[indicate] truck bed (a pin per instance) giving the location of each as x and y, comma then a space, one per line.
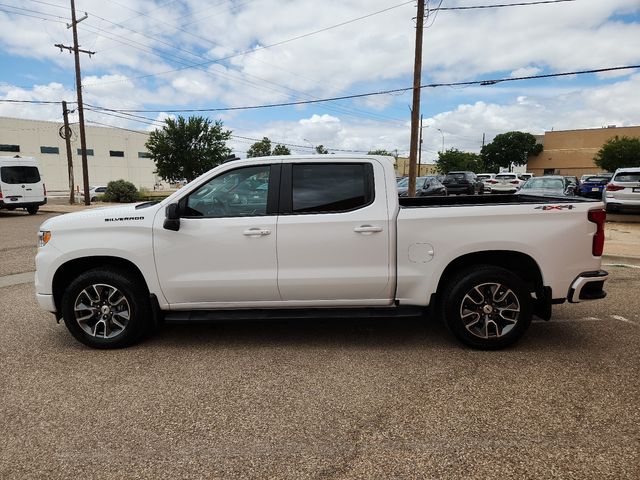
489, 199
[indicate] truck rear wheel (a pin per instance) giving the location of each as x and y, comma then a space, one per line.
487, 307
32, 210
105, 308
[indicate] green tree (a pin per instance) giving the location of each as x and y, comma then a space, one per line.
320, 150
281, 150
617, 153
508, 148
120, 191
187, 148
381, 152
260, 149
453, 160
263, 149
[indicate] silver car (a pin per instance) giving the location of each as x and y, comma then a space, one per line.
623, 191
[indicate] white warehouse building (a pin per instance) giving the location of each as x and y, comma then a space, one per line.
112, 153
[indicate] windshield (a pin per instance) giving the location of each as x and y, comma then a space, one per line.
20, 174
455, 176
403, 182
600, 179
627, 177
484, 177
508, 176
544, 184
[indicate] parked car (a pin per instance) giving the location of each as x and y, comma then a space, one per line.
463, 183
506, 183
425, 187
21, 184
329, 239
553, 185
94, 192
593, 186
623, 192
574, 180
487, 181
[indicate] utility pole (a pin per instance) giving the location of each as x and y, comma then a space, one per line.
76, 51
483, 139
420, 149
415, 109
67, 141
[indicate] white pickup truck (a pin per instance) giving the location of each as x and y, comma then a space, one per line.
318, 236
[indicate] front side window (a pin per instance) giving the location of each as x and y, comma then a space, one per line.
331, 187
238, 193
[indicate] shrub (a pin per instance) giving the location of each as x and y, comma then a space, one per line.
120, 191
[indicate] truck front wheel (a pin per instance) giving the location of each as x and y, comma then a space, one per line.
487, 307
106, 308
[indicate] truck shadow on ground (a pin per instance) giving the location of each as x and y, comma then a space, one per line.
396, 333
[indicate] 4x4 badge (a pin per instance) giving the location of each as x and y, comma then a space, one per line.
555, 207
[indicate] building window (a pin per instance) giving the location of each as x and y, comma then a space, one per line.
49, 150
144, 155
116, 153
89, 152
9, 148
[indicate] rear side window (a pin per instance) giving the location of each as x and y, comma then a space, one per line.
331, 187
627, 177
19, 174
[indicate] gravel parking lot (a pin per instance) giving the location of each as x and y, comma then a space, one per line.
319, 399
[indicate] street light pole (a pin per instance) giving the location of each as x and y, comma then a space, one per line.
442, 133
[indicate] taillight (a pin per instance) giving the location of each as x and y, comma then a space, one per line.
492, 181
598, 217
515, 182
0, 194
614, 188
44, 189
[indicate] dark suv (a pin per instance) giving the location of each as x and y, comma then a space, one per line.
463, 183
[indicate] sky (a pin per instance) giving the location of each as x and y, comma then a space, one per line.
164, 56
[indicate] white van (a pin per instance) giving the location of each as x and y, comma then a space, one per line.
21, 185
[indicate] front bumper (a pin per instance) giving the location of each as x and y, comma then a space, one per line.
588, 286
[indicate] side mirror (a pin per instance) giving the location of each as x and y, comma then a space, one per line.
172, 217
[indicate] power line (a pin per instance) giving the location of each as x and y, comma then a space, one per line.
502, 5
256, 49
382, 92
34, 102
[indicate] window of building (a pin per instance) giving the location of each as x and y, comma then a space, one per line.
89, 152
144, 155
331, 188
116, 153
9, 148
49, 150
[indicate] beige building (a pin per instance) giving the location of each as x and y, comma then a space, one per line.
571, 152
111, 153
402, 168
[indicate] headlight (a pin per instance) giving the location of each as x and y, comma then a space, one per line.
43, 237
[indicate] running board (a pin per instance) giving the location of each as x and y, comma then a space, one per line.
290, 313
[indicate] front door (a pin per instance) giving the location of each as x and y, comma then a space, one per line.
224, 253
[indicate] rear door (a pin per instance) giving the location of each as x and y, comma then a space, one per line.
21, 184
334, 234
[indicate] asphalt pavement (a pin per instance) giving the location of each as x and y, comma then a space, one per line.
384, 398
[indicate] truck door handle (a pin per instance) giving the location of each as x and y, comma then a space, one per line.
256, 232
367, 229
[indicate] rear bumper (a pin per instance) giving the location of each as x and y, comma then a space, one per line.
621, 202
19, 204
588, 286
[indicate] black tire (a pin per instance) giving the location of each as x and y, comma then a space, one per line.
11, 209
127, 285
489, 332
32, 210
